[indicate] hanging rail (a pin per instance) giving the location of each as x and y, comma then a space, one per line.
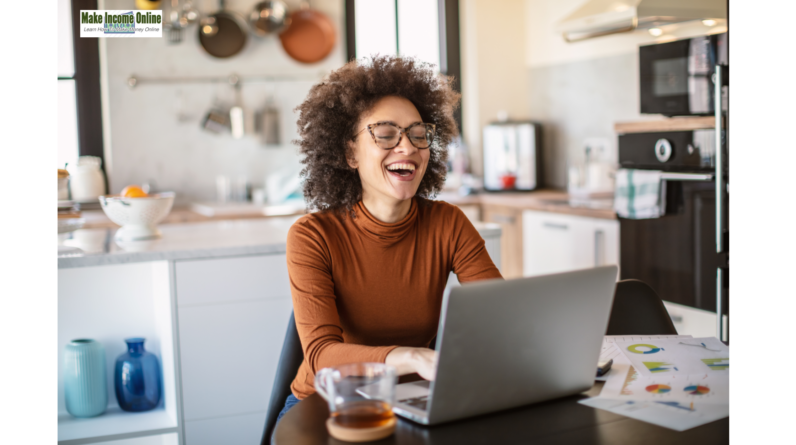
233, 79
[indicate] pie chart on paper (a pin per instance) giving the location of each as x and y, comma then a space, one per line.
696, 390
658, 389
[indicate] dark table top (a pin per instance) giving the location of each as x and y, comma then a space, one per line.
561, 421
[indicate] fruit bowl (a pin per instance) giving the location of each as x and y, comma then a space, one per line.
137, 216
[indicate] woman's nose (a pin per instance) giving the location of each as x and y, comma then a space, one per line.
405, 146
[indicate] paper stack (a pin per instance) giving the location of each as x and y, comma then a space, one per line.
677, 382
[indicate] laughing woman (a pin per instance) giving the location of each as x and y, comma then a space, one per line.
368, 270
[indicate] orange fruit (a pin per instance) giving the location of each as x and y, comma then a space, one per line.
133, 191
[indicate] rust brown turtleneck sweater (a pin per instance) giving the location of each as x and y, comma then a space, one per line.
362, 287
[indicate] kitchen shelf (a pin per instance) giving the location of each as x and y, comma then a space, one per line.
115, 422
668, 124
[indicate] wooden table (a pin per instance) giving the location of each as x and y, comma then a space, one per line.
561, 421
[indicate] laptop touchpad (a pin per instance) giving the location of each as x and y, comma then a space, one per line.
412, 390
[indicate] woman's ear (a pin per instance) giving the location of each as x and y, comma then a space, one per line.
349, 156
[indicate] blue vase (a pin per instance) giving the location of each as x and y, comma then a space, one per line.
137, 378
85, 381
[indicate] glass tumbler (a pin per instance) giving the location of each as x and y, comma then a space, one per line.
360, 397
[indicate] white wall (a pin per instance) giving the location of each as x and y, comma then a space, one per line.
493, 67
155, 130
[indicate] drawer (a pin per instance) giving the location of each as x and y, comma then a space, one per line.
232, 279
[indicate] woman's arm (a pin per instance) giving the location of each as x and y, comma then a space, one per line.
471, 261
314, 303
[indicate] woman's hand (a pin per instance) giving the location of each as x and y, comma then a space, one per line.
408, 360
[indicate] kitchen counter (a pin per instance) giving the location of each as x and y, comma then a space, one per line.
555, 201
208, 239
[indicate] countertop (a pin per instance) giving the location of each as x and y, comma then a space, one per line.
181, 241
555, 201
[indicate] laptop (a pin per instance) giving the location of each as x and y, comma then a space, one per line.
504, 344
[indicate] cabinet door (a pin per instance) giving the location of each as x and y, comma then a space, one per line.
554, 243
510, 220
232, 315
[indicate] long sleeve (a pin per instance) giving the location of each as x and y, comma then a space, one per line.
314, 304
471, 261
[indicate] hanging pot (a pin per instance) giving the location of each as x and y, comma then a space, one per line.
310, 37
222, 34
269, 17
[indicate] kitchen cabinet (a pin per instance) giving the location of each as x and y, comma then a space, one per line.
232, 317
553, 242
510, 220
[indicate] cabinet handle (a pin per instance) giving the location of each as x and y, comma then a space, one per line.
503, 219
558, 226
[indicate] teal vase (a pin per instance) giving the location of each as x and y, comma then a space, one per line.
85, 382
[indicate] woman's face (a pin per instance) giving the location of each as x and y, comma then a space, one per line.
389, 175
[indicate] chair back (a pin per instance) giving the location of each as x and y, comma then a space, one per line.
637, 310
289, 361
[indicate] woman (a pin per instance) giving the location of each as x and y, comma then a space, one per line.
367, 272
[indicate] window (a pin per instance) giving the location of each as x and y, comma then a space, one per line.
426, 29
79, 103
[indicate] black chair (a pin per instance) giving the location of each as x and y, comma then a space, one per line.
289, 361
638, 310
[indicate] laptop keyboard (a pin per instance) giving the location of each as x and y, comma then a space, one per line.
417, 402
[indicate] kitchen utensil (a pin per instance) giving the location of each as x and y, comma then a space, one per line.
268, 126
216, 120
360, 397
190, 14
86, 180
137, 216
310, 36
147, 4
223, 188
222, 34
236, 113
269, 17
175, 24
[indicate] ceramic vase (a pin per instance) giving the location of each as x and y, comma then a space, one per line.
137, 377
85, 381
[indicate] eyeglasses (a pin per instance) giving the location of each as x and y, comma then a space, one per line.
387, 135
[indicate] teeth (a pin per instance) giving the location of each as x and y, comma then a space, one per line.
409, 167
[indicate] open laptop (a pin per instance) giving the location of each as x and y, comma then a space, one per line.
504, 344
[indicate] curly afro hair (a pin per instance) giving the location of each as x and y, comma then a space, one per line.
329, 116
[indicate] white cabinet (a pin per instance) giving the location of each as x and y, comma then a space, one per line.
232, 317
554, 242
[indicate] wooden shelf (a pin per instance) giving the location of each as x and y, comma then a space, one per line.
668, 124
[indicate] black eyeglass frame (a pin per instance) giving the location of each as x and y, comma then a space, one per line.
401, 132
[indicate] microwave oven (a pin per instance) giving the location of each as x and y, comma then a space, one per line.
676, 78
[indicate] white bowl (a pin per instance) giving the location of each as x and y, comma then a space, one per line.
137, 216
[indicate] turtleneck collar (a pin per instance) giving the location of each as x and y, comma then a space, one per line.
385, 233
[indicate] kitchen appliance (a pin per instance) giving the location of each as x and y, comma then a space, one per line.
677, 78
684, 255
595, 18
512, 156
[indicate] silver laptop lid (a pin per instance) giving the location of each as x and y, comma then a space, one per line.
504, 344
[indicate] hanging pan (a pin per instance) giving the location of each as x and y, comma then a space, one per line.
310, 37
222, 34
269, 17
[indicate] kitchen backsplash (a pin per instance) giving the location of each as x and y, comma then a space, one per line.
155, 128
581, 100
